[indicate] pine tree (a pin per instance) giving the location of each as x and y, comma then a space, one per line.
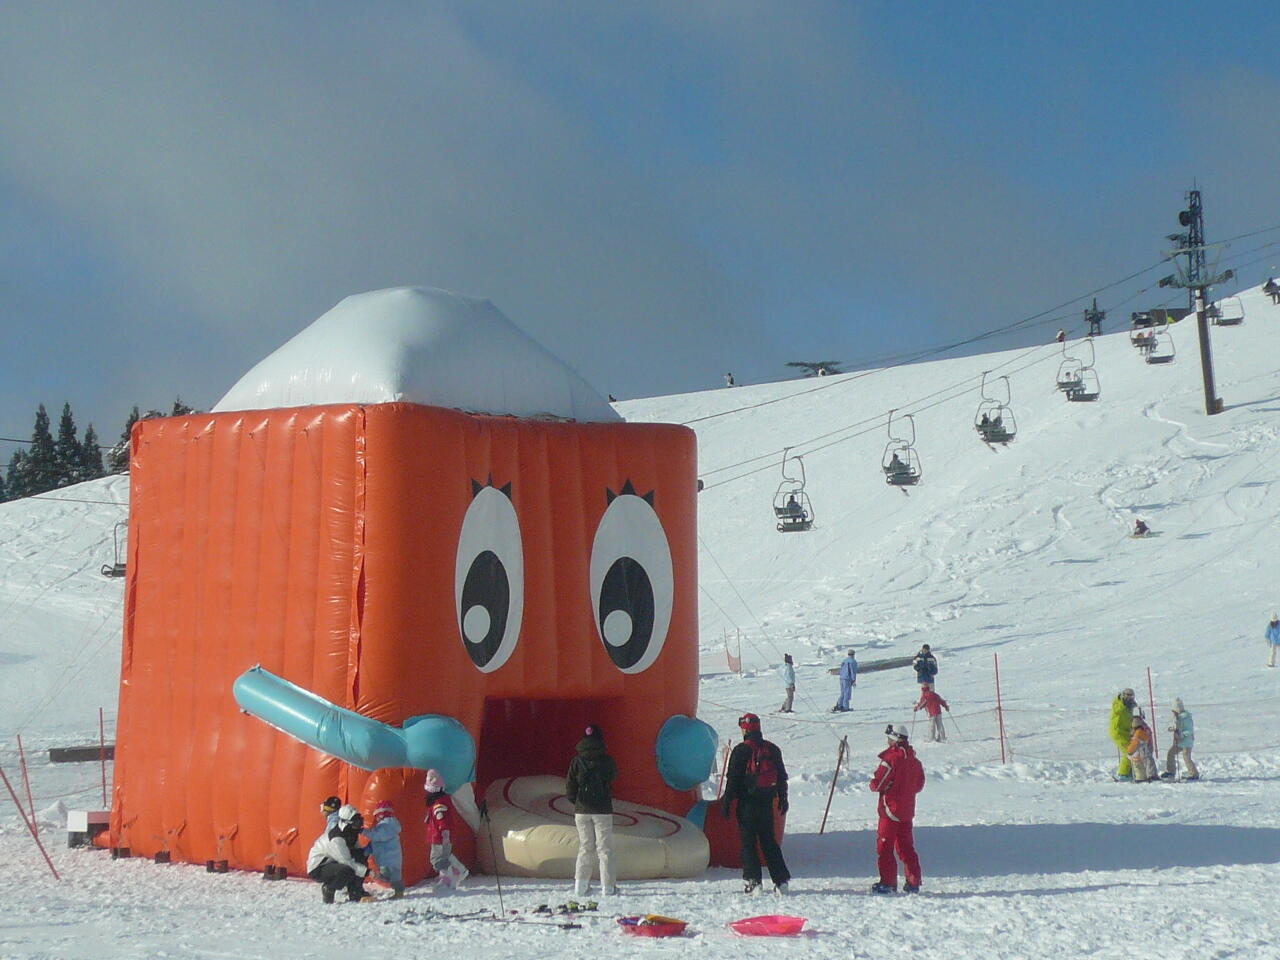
42, 459
90, 456
118, 458
67, 455
4, 493
180, 409
16, 477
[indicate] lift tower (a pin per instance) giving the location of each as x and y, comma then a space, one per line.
1190, 261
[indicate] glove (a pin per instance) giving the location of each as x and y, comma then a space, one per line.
783, 806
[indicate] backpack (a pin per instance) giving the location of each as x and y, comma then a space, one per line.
592, 790
762, 765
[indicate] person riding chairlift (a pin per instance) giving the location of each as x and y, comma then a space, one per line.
793, 506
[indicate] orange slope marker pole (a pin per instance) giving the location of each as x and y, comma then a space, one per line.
840, 755
34, 836
26, 783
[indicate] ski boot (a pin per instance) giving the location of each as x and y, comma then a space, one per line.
911, 888
751, 887
883, 888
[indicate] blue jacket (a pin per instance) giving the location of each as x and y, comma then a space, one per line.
849, 670
788, 675
1184, 729
925, 666
384, 843
1273, 632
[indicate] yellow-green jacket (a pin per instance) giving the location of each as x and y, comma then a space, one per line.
1121, 722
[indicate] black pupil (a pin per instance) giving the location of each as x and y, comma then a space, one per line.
486, 586
627, 588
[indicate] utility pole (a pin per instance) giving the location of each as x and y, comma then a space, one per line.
1197, 277
1094, 317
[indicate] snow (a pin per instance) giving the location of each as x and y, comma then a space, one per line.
1019, 551
421, 345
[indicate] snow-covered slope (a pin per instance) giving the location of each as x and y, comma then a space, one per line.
1020, 551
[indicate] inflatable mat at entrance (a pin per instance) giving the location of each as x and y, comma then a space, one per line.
535, 835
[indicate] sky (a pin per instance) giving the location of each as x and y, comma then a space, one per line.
657, 192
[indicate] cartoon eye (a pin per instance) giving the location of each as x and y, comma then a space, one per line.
632, 585
489, 578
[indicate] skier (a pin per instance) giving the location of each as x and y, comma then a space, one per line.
1184, 738
897, 780
933, 705
1139, 750
588, 786
440, 834
926, 667
788, 681
728, 379
1272, 289
337, 860
330, 810
1273, 638
1140, 529
848, 673
384, 845
1122, 729
757, 778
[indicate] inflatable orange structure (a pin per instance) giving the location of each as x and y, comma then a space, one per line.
333, 598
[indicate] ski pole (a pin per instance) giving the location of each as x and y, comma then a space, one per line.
912, 734
497, 872
954, 724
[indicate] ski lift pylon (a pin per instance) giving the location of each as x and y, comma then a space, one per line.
791, 505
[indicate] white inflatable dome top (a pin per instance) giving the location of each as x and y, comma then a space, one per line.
420, 345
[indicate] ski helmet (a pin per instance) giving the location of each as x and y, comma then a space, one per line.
330, 805
749, 722
896, 732
349, 815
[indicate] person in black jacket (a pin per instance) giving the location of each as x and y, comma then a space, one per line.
756, 779
589, 787
926, 667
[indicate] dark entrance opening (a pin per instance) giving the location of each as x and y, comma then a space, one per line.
521, 738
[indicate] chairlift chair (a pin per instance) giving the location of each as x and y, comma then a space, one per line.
791, 505
1087, 389
1228, 312
1069, 374
117, 569
1162, 350
900, 462
994, 419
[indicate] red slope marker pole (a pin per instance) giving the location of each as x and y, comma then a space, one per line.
26, 782
102, 755
34, 836
1151, 698
999, 707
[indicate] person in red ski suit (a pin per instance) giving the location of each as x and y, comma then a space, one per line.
897, 780
932, 704
440, 833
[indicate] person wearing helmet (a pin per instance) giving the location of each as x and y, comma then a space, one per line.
384, 846
337, 859
897, 780
756, 779
1139, 750
330, 810
440, 834
1122, 730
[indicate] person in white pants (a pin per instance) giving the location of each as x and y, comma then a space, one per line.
589, 787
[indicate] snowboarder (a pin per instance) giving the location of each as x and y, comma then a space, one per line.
384, 846
440, 834
1140, 529
926, 667
1272, 289
848, 674
1139, 750
1273, 638
337, 860
897, 780
728, 380
757, 778
788, 681
933, 705
1122, 730
330, 810
1184, 738
588, 786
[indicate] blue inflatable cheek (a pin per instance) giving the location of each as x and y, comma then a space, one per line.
440, 743
686, 750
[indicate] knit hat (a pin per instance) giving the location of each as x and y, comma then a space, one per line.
749, 723
1127, 692
434, 782
594, 730
383, 810
1177, 705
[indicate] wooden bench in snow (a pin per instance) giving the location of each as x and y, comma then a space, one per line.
872, 666
81, 754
